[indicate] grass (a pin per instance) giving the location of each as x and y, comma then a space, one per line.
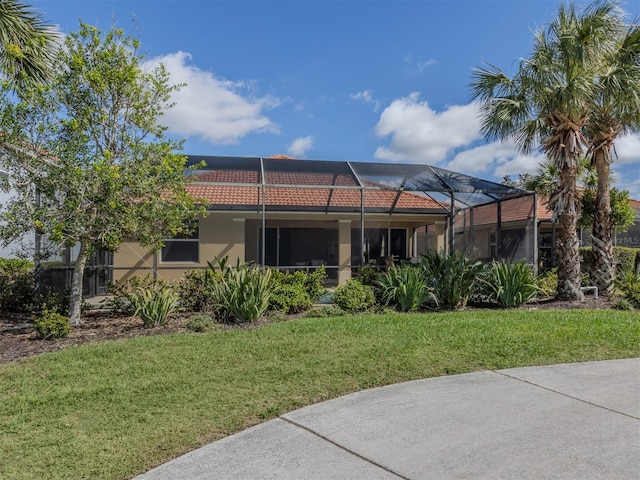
112, 410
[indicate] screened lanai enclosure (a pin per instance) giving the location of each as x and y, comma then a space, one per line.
305, 214
299, 214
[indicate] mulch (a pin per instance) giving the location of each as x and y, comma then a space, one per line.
18, 340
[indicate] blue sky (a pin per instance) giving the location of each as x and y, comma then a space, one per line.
337, 80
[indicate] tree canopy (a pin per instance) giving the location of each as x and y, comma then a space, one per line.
89, 162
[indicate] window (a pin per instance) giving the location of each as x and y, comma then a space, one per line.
184, 248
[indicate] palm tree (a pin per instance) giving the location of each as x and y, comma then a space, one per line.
27, 44
546, 103
616, 110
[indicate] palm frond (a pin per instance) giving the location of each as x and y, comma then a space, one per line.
28, 44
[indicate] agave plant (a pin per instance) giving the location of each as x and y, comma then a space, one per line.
451, 277
406, 288
509, 283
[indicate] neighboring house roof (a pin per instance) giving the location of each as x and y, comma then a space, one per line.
514, 210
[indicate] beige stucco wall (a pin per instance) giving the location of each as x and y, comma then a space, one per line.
131, 260
220, 235
235, 234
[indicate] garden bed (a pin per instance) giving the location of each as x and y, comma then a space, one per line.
18, 340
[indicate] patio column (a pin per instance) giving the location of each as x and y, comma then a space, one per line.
440, 243
344, 251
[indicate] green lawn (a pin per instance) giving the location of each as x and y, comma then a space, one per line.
112, 410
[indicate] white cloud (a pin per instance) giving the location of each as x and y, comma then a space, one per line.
300, 146
499, 158
427, 63
519, 164
420, 65
628, 149
366, 96
422, 135
212, 108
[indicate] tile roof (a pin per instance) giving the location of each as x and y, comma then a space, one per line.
516, 209
296, 198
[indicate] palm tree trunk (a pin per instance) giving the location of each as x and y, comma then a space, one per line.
603, 269
568, 244
75, 303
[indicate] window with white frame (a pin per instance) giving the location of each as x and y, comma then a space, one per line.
183, 248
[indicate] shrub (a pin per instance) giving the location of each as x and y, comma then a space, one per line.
311, 281
199, 290
548, 283
405, 288
154, 305
54, 301
289, 299
508, 283
314, 283
123, 292
623, 304
16, 285
201, 323
628, 286
51, 325
353, 296
626, 259
452, 277
368, 275
244, 290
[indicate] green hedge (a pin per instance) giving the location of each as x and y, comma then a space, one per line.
626, 258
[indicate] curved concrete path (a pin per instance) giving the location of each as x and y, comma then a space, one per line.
572, 421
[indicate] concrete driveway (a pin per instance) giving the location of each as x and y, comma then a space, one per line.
572, 421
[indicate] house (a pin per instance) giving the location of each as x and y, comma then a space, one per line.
505, 230
631, 237
298, 214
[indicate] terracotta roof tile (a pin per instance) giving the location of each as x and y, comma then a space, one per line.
308, 197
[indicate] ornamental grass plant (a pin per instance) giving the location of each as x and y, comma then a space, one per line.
451, 276
245, 290
405, 287
154, 305
508, 283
